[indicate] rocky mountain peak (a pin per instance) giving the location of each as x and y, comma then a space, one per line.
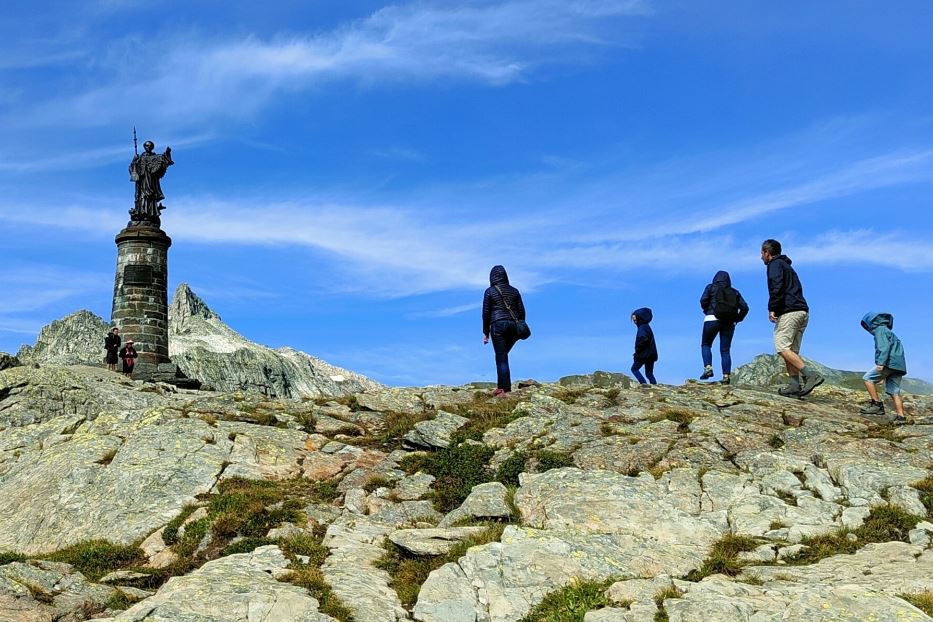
186, 304
75, 339
205, 348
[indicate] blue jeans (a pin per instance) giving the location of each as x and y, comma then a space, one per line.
892, 380
649, 371
504, 336
726, 331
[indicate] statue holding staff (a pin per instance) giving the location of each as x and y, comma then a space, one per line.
147, 170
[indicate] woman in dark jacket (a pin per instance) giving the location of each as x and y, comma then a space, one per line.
720, 321
502, 305
112, 345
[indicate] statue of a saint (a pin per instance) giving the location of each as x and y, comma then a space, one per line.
146, 170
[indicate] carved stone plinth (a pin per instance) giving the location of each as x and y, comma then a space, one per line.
140, 295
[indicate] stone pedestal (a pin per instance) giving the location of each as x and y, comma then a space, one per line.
140, 297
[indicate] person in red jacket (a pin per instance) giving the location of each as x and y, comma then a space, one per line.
128, 354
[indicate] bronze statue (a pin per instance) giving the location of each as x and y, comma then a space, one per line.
146, 170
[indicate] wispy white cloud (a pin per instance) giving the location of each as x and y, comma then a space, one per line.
34, 287
88, 158
494, 43
403, 247
34, 293
398, 153
706, 213
870, 247
446, 311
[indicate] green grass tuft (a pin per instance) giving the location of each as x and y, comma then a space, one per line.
96, 558
457, 470
119, 601
921, 600
570, 603
723, 557
245, 545
409, 572
886, 523
660, 597
170, 533
925, 486
547, 459
10, 557
484, 413
681, 417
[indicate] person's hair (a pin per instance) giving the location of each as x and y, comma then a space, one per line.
772, 247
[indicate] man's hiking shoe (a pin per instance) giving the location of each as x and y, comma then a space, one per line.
873, 408
707, 373
809, 383
898, 420
726, 379
790, 390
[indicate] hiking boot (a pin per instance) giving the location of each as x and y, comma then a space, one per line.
899, 420
809, 383
873, 408
726, 379
707, 373
790, 390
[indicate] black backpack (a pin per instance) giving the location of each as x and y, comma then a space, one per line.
726, 304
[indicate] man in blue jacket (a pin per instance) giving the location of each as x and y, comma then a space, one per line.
890, 364
788, 310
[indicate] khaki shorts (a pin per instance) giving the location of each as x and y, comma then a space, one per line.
788, 332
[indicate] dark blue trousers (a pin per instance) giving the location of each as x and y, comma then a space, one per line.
649, 371
726, 331
504, 336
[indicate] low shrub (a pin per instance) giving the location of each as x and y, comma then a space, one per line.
511, 468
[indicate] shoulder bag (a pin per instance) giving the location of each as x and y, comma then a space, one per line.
521, 326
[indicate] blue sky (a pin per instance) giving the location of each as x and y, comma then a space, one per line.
347, 172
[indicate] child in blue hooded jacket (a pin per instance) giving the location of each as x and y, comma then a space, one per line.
890, 365
646, 350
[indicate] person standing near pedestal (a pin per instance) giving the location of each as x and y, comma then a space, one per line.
128, 354
112, 346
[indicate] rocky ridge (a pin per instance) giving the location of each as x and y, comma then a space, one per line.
698, 502
769, 370
205, 348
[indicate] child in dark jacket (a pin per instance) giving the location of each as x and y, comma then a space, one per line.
646, 350
890, 365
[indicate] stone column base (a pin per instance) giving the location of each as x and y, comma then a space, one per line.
169, 373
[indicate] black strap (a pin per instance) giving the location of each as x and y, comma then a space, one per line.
507, 307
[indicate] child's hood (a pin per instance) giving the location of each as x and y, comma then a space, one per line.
873, 320
642, 316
